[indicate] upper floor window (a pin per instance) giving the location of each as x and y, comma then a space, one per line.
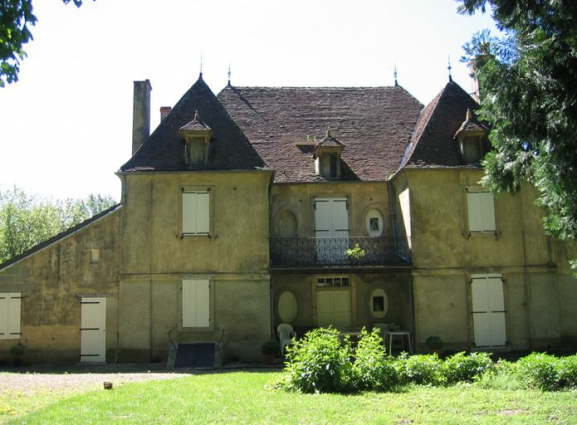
327, 156
196, 212
470, 137
197, 141
481, 211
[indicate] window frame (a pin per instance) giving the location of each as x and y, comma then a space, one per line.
206, 230
11, 315
186, 327
477, 217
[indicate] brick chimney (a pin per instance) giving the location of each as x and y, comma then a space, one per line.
164, 111
140, 114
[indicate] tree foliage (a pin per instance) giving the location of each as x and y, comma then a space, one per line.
27, 220
529, 97
16, 18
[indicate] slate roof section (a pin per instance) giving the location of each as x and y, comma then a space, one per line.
433, 143
60, 236
284, 124
164, 149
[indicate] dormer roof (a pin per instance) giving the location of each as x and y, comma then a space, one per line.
164, 149
471, 126
328, 143
195, 125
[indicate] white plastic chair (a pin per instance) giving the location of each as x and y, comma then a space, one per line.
286, 335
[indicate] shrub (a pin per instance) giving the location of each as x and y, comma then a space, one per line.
319, 362
568, 371
271, 348
373, 369
466, 368
419, 369
539, 370
502, 376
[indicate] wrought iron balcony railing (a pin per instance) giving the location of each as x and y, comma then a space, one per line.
311, 252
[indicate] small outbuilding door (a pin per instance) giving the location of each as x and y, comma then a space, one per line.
93, 330
488, 311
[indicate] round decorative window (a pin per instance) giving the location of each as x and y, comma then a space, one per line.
378, 303
288, 307
374, 223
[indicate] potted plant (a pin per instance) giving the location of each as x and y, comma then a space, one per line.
17, 352
435, 344
270, 349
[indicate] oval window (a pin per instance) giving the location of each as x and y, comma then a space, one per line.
378, 303
374, 223
288, 307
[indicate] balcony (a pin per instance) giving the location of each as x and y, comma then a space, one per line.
321, 252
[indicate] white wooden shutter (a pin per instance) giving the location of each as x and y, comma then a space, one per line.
93, 329
481, 211
195, 213
4, 316
340, 218
14, 305
488, 311
10, 315
323, 218
334, 308
195, 303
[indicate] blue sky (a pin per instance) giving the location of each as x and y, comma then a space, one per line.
65, 127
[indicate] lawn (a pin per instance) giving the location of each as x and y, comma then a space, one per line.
246, 398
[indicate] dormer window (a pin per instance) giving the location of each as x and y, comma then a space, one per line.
327, 156
470, 138
196, 136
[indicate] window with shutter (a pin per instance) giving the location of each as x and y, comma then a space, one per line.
195, 303
196, 213
481, 211
10, 315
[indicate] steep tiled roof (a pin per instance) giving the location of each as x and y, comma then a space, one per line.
164, 149
433, 143
284, 124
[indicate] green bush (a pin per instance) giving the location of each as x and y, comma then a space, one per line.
568, 371
539, 370
423, 369
373, 368
502, 376
466, 368
319, 362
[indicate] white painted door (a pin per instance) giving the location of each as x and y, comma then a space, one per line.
334, 308
93, 330
331, 229
488, 311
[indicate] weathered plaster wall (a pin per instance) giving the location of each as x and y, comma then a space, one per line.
156, 258
300, 198
303, 286
52, 281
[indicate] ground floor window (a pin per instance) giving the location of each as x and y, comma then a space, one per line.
10, 315
195, 303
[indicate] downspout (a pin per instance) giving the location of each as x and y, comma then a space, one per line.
150, 275
526, 280
271, 298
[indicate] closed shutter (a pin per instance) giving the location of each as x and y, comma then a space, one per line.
488, 311
481, 211
14, 304
334, 308
10, 315
195, 213
93, 330
195, 303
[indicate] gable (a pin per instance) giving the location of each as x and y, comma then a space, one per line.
164, 149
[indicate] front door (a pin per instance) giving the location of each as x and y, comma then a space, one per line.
93, 330
331, 229
488, 311
334, 308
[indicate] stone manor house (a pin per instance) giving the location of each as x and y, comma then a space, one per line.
348, 207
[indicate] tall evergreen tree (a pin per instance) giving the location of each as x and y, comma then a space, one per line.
528, 81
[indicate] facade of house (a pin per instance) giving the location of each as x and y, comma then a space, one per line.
348, 207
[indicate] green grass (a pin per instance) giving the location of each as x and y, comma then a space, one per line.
245, 398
